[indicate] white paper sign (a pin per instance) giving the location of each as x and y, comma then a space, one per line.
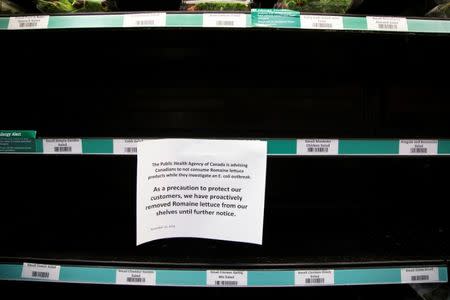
37, 271
125, 146
317, 147
226, 278
62, 146
418, 275
224, 20
321, 22
387, 23
201, 188
28, 22
418, 147
145, 20
135, 277
314, 277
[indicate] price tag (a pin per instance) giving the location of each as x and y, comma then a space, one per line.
28, 22
226, 278
145, 20
317, 147
43, 272
321, 22
135, 277
314, 277
62, 146
387, 23
419, 275
224, 20
418, 147
126, 146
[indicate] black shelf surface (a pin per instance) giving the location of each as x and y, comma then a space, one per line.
225, 83
319, 211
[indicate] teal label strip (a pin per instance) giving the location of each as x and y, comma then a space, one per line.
88, 275
285, 147
271, 278
367, 276
184, 20
4, 22
444, 147
274, 147
436, 26
279, 18
10, 272
181, 278
31, 134
107, 275
443, 274
355, 23
39, 146
97, 146
100, 21
368, 147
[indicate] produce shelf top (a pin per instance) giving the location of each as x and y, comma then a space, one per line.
258, 18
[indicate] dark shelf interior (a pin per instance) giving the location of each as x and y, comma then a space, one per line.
225, 83
326, 211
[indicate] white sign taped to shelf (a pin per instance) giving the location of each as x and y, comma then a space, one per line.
201, 188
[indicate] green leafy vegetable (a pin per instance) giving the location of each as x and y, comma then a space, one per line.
325, 6
74, 6
214, 5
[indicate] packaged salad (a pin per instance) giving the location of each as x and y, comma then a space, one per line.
442, 10
75, 6
216, 5
323, 6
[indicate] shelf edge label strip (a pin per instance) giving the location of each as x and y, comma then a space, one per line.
255, 278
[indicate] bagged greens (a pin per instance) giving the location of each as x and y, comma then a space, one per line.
440, 11
8, 7
75, 6
325, 6
216, 5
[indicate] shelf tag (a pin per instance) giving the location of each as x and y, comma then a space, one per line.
317, 147
418, 147
418, 275
387, 24
314, 277
62, 146
226, 278
224, 20
145, 20
321, 22
135, 277
37, 271
126, 146
28, 22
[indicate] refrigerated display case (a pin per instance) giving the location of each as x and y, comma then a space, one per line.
354, 108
